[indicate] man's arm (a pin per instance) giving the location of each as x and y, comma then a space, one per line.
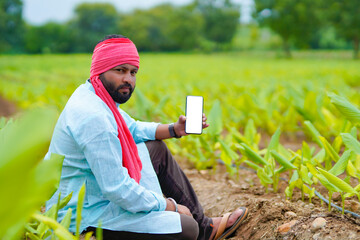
162, 131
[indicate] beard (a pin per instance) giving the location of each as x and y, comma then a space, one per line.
114, 91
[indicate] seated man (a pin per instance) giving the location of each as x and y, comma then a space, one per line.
133, 184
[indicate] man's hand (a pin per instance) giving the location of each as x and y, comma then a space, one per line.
170, 206
179, 126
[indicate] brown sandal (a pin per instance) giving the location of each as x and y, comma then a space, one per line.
222, 232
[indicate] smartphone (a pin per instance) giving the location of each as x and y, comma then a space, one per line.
194, 114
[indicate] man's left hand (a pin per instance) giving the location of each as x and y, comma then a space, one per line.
179, 126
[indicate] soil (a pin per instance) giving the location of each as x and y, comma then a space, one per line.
220, 193
6, 108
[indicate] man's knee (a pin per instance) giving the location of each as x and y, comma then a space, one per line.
157, 147
156, 144
190, 228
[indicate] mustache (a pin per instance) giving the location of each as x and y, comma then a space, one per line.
128, 85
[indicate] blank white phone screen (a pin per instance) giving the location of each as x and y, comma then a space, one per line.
194, 111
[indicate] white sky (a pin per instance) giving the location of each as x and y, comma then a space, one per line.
37, 12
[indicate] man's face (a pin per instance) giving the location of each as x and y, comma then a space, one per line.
120, 82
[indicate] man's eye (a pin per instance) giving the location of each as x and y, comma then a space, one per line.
120, 70
134, 73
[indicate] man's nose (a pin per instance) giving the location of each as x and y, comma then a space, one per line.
129, 79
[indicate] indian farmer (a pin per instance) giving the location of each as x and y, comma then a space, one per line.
134, 186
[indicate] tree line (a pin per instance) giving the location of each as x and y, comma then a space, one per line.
204, 25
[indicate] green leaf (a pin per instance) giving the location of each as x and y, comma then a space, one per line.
340, 166
306, 151
320, 156
304, 174
349, 111
215, 119
264, 177
229, 152
351, 142
67, 219
314, 133
274, 143
250, 132
351, 170
99, 231
282, 161
252, 165
59, 230
252, 155
79, 208
329, 149
23, 173
339, 183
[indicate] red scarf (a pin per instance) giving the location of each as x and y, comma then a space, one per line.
107, 55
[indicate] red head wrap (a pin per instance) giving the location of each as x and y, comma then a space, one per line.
107, 55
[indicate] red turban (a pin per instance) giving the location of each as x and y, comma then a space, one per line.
107, 55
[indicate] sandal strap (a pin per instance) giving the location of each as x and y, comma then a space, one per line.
222, 225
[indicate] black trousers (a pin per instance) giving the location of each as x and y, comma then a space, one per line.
176, 185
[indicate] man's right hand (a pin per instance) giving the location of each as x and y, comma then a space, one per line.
170, 206
184, 210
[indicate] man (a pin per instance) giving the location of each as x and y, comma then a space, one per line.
133, 184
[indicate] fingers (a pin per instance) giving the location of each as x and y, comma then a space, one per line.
184, 210
205, 125
182, 119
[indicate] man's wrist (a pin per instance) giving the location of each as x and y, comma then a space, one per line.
172, 131
175, 204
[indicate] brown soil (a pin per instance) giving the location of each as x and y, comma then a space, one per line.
6, 108
220, 194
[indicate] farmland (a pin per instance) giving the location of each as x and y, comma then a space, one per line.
275, 118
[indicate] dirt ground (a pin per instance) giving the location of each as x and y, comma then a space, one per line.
6, 108
267, 211
220, 193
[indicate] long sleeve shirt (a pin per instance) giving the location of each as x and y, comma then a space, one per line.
86, 134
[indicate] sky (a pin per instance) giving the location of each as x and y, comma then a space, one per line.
38, 12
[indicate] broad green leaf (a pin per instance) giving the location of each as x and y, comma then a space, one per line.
274, 143
329, 149
340, 166
23, 144
324, 181
79, 208
282, 161
339, 183
349, 111
252, 155
215, 119
351, 142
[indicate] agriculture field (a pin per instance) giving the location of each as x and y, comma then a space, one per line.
290, 125
273, 92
